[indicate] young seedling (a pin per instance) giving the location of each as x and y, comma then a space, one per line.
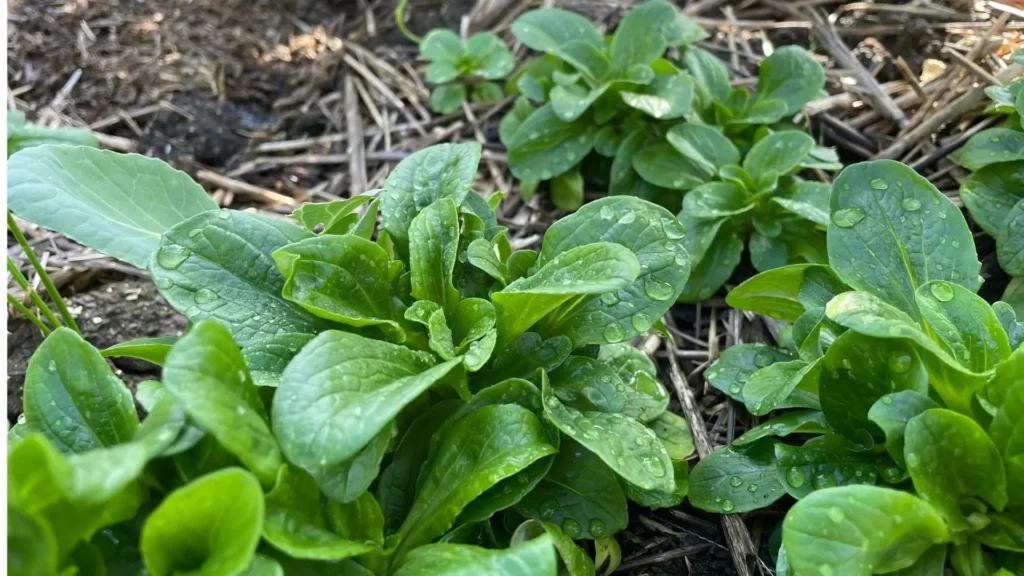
458, 68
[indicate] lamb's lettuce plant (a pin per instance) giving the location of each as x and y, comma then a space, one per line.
389, 402
459, 69
23, 134
910, 386
994, 192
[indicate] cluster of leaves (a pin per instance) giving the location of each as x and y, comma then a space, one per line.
994, 192
422, 400
459, 68
625, 116
23, 134
910, 384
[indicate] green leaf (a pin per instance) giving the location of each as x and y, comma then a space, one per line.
346, 480
205, 371
487, 92
263, 566
1007, 432
892, 412
796, 422
776, 386
489, 56
575, 560
780, 152
32, 548
441, 44
717, 261
653, 235
989, 147
655, 499
893, 231
858, 370
545, 146
440, 171
433, 243
733, 480
549, 29
710, 75
447, 98
1009, 242
442, 71
809, 200
200, 530
341, 390
859, 530
153, 350
73, 398
703, 144
580, 494
950, 457
484, 447
624, 444
534, 558
734, 367
523, 355
1014, 296
118, 204
589, 269
776, 292
991, 193
336, 216
964, 324
790, 75
822, 158
22, 134
570, 102
297, 523
339, 278
767, 252
674, 433
829, 461
644, 34
646, 398
667, 97
511, 121
567, 190
267, 359
218, 265
660, 164
1005, 532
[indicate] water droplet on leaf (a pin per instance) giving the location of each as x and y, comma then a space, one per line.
943, 292
911, 204
848, 217
171, 256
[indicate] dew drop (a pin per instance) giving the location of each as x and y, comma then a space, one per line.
899, 362
627, 218
548, 509
223, 215
205, 296
657, 289
673, 229
824, 480
596, 528
836, 515
887, 399
848, 217
752, 488
614, 333
171, 256
728, 506
795, 477
606, 212
641, 322
764, 358
878, 184
164, 283
735, 388
195, 232
654, 467
610, 299
911, 204
571, 528
942, 291
735, 481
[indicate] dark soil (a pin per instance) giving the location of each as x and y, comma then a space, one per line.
107, 314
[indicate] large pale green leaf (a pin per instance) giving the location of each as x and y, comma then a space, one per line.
341, 390
208, 528
22, 134
545, 146
339, 278
534, 558
790, 75
950, 457
433, 243
73, 397
218, 265
859, 531
646, 398
732, 480
892, 231
964, 324
566, 279
829, 461
654, 236
118, 204
441, 171
298, 524
580, 494
206, 372
628, 447
481, 449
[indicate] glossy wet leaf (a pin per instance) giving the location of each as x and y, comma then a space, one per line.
196, 528
1009, 245
703, 144
964, 324
809, 200
667, 97
655, 499
433, 243
858, 370
795, 422
937, 438
716, 264
545, 146
710, 75
716, 200
334, 217
523, 355
643, 34
790, 75
567, 190
721, 482
776, 292
829, 461
859, 530
267, 358
991, 193
893, 231
339, 278
206, 372
347, 480
341, 390
548, 30
646, 397
1007, 432
441, 171
780, 152
573, 558
892, 412
484, 447
73, 398
534, 558
653, 235
218, 265
72, 189
580, 494
989, 147
780, 385
153, 350
734, 367
662, 165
